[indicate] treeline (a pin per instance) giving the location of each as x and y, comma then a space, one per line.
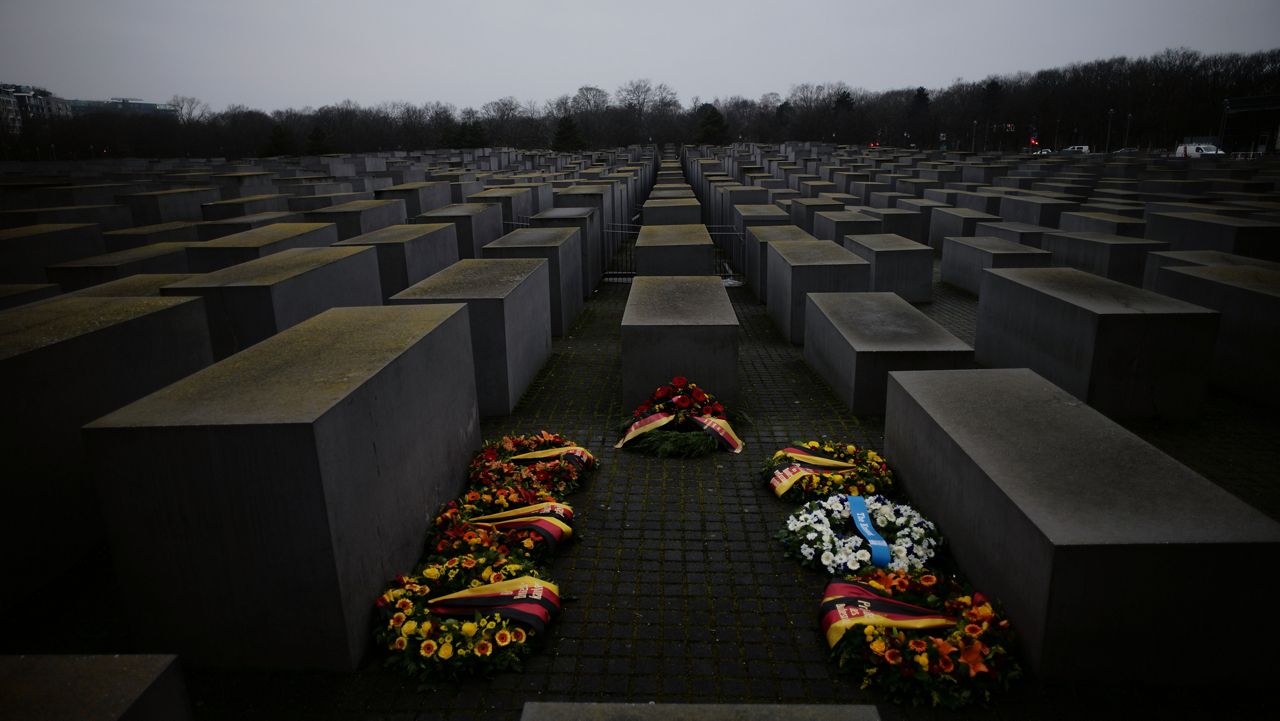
1150, 102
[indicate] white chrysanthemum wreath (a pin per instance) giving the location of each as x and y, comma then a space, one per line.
822, 533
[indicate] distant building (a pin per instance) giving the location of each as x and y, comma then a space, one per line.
121, 105
31, 104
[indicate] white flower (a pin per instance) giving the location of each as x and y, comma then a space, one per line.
826, 558
863, 555
853, 564
807, 552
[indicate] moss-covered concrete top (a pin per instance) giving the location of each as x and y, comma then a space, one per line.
773, 233
815, 252
356, 206
1094, 293
761, 210
565, 214
272, 269
473, 279
663, 235
128, 255
295, 376
460, 210
672, 203
395, 234
1252, 278
532, 237
248, 199
265, 235
40, 325
151, 229
141, 285
678, 300
173, 191
27, 231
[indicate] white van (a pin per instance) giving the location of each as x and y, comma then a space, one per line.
1077, 149
1196, 151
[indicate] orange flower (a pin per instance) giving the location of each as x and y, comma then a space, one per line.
901, 583
974, 656
502, 637
404, 604
917, 645
399, 643
928, 580
946, 664
497, 578
893, 656
484, 648
451, 562
517, 635
973, 629
427, 649
468, 562
397, 620
473, 496
943, 647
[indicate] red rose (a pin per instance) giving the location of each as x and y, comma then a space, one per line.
717, 409
706, 411
698, 395
679, 381
663, 392
682, 401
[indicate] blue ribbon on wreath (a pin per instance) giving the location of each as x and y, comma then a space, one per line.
880, 555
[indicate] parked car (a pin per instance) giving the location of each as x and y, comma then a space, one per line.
1196, 151
1043, 151
1077, 149
1126, 151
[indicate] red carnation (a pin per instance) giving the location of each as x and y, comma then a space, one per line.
679, 381
663, 392
682, 401
698, 395
706, 411
717, 409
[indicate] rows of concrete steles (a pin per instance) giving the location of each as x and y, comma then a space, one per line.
250, 378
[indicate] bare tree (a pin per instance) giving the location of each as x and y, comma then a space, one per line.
190, 110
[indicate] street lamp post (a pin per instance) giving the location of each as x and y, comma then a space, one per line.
1127, 119
1110, 114
973, 143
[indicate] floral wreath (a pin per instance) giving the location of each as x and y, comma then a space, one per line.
534, 531
470, 570
818, 469
485, 629
543, 462
680, 420
917, 637
827, 534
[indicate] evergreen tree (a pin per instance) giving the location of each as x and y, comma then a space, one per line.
566, 138
712, 128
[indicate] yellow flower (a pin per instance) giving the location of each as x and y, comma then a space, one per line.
528, 543
871, 488
869, 630
837, 478
427, 649
396, 620
446, 651
476, 583
828, 449
484, 648
850, 449
513, 567
878, 646
408, 628
874, 457
399, 644
502, 638
923, 660
488, 571
432, 573
517, 635
812, 445
469, 629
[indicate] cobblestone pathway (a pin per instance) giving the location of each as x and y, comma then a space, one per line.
675, 590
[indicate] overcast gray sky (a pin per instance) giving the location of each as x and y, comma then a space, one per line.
272, 54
